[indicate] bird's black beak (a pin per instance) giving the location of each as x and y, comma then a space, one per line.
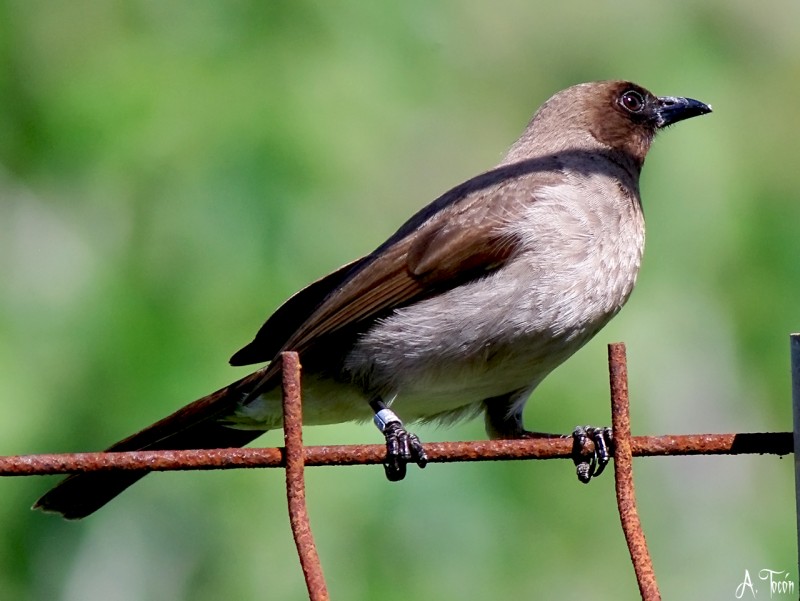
672, 109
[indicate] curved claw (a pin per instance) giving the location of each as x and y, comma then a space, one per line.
402, 448
591, 465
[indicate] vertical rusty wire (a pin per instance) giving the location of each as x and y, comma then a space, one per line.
295, 482
794, 343
295, 457
623, 474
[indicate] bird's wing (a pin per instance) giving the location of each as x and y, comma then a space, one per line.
444, 253
463, 235
290, 316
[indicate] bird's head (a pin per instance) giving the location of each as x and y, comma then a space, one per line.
616, 115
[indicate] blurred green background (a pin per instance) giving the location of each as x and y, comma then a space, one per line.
171, 171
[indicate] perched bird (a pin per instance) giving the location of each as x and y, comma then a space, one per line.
463, 311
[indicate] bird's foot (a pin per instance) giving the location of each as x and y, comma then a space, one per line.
402, 447
589, 465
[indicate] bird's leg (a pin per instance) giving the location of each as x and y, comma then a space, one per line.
504, 421
591, 465
402, 447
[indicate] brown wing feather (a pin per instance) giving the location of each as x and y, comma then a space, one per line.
461, 235
448, 253
290, 316
423, 264
384, 284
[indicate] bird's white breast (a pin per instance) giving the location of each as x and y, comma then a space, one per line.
581, 246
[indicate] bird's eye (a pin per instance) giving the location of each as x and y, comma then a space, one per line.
632, 101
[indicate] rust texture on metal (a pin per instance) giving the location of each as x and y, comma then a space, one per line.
794, 354
763, 443
295, 457
295, 482
623, 474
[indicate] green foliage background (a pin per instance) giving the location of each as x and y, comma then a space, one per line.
171, 171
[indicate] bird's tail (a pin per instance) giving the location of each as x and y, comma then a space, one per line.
195, 426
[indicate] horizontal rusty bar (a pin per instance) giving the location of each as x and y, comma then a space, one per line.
773, 443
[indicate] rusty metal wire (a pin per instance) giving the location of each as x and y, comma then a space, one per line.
295, 479
762, 443
294, 457
623, 474
794, 353
773, 443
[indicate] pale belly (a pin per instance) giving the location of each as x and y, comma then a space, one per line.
445, 354
500, 334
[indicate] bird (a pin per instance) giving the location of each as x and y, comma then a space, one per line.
463, 311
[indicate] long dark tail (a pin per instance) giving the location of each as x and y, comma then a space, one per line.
194, 426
